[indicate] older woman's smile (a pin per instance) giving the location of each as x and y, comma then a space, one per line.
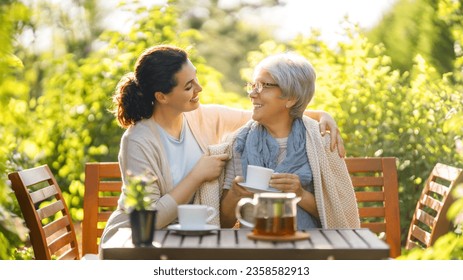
257, 105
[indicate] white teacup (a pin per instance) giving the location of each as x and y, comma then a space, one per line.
194, 216
258, 177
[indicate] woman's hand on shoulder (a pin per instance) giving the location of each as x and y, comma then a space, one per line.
327, 123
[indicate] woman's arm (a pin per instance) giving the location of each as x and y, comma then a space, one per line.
327, 123
134, 157
228, 119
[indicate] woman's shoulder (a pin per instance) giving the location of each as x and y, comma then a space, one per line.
218, 110
142, 130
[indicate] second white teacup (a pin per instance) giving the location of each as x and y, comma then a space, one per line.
195, 216
258, 176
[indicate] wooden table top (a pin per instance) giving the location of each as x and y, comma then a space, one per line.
230, 244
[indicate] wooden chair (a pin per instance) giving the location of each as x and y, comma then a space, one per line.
52, 233
376, 189
102, 189
429, 221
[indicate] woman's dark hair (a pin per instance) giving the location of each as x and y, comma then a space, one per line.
155, 70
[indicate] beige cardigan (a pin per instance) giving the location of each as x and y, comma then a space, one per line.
334, 192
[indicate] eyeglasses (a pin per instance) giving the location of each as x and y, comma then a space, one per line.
258, 87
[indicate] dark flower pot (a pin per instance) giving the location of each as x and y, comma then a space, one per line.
143, 224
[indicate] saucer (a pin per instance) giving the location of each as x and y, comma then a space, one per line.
256, 190
197, 231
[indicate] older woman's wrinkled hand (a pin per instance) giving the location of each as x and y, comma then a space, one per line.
287, 183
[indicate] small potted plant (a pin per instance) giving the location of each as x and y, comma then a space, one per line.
138, 205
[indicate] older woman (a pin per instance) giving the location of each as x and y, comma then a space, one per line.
281, 138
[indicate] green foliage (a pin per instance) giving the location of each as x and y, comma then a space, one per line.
451, 12
224, 37
12, 231
419, 29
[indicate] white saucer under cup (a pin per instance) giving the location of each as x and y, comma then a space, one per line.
195, 217
257, 190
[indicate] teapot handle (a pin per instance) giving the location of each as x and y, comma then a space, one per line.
240, 204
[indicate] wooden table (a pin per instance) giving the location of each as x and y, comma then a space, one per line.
230, 244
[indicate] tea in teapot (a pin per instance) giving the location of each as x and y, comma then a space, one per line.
273, 213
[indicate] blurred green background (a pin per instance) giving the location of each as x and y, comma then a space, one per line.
395, 89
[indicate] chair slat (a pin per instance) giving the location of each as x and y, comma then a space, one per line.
421, 235
411, 244
369, 196
108, 201
71, 254
375, 227
104, 216
60, 242
438, 188
431, 202
50, 209
33, 176
446, 172
371, 212
369, 181
43, 194
425, 218
109, 170
55, 226
110, 186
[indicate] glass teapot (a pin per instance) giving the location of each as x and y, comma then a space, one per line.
273, 213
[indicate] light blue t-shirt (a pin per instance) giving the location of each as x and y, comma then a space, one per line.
182, 154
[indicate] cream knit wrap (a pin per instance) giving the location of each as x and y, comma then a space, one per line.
210, 192
334, 192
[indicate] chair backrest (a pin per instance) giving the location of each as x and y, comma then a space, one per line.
44, 209
429, 221
377, 192
103, 184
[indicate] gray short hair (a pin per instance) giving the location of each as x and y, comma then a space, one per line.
295, 76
